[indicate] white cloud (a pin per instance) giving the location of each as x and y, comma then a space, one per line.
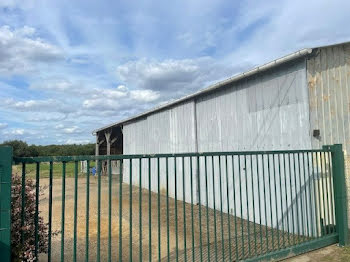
3, 125
21, 52
15, 132
144, 95
49, 105
71, 130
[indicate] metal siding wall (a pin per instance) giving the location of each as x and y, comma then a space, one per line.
169, 131
266, 112
329, 82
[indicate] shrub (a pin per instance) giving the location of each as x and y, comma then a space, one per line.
26, 252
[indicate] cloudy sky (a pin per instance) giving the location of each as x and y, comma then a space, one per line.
69, 67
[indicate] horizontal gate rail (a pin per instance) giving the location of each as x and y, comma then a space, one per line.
210, 206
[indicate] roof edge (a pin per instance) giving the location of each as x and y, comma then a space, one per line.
264, 67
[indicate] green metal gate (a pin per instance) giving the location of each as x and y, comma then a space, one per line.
218, 206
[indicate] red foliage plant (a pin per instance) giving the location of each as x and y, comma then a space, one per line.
26, 252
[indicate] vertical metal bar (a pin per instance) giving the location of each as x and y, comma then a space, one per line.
63, 208
275, 184
286, 194
240, 198
323, 191
37, 183
310, 192
99, 169
291, 197
183, 207
228, 213
207, 207
176, 227
158, 178
281, 206
130, 209
253, 198
264, 199
221, 213
340, 193
296, 198
140, 208
270, 198
200, 212
305, 194
109, 210
301, 197
6, 159
331, 187
214, 204
149, 210
23, 194
120, 209
87, 212
50, 212
192, 226
315, 194
234, 206
75, 210
319, 192
247, 200
329, 216
258, 178
167, 206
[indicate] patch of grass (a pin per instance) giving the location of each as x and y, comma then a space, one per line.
44, 169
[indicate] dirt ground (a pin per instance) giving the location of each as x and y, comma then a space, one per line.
331, 253
238, 232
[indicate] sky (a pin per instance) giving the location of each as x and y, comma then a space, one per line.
69, 67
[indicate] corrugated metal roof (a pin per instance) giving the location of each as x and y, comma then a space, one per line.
264, 67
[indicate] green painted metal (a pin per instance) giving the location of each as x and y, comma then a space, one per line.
120, 208
23, 195
340, 193
75, 210
87, 215
99, 171
158, 183
228, 213
297, 249
149, 211
109, 210
294, 177
140, 208
50, 212
130, 210
36, 219
63, 208
176, 226
192, 224
184, 207
5, 202
207, 205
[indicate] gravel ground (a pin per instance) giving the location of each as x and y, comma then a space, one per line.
224, 233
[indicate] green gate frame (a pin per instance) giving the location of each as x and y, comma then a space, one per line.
5, 202
340, 202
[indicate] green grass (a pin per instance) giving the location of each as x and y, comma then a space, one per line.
44, 169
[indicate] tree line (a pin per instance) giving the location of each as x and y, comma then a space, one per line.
22, 149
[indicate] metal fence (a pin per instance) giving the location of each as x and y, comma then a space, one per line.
227, 206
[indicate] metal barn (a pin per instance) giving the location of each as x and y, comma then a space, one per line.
298, 101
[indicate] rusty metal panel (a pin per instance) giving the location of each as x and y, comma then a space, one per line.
328, 83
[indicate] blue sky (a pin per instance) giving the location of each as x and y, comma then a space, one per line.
69, 67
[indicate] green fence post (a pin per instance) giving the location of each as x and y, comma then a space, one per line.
340, 193
5, 202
